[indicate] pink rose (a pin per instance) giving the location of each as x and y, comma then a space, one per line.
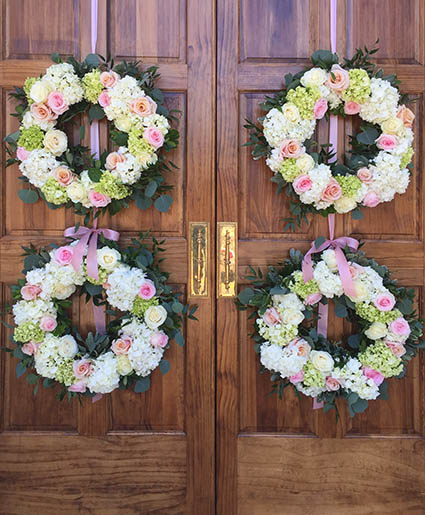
397, 348
109, 79
271, 317
154, 136
48, 323
42, 113
312, 299
320, 108
113, 159
82, 368
371, 199
63, 175
302, 183
332, 384
30, 348
365, 175
98, 199
22, 153
121, 345
332, 192
104, 99
79, 387
355, 270
406, 116
147, 289
56, 102
143, 106
63, 255
400, 326
159, 339
370, 373
297, 378
302, 347
338, 79
386, 142
290, 148
384, 301
30, 291
351, 108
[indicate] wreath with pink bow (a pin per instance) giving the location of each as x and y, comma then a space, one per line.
290, 299
375, 168
145, 315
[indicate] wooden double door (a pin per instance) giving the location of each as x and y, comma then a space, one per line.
206, 438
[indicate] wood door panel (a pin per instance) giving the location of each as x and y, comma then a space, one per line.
349, 476
75, 474
127, 453
273, 456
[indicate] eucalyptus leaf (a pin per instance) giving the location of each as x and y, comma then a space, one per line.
142, 385
246, 295
164, 366
28, 196
163, 203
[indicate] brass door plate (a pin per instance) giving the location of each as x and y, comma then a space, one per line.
227, 263
199, 259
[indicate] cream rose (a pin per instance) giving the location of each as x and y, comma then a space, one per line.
124, 367
108, 258
40, 91
55, 141
377, 331
329, 258
344, 204
63, 291
76, 192
314, 77
322, 360
305, 163
290, 112
292, 316
155, 316
362, 293
68, 347
123, 123
394, 126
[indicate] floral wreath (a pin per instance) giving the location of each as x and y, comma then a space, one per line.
67, 175
145, 316
376, 167
297, 354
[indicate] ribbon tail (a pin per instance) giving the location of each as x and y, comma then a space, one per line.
97, 397
92, 269
344, 273
317, 404
322, 324
99, 318
78, 253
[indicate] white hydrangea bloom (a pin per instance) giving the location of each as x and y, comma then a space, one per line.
320, 177
32, 310
47, 358
124, 284
382, 103
284, 360
38, 166
330, 284
105, 377
142, 355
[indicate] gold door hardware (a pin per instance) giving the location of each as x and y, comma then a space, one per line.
199, 253
227, 259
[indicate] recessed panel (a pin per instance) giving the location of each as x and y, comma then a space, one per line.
395, 23
149, 29
275, 29
39, 28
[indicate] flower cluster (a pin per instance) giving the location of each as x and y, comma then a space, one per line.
135, 341
69, 175
382, 150
290, 348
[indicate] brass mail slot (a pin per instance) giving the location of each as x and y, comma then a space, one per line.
227, 263
199, 255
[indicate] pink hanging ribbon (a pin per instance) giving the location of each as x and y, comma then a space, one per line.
94, 127
322, 325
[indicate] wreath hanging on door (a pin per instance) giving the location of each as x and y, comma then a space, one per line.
67, 175
145, 316
377, 165
296, 354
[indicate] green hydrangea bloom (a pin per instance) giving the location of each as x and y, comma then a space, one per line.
54, 192
359, 88
31, 138
286, 333
137, 145
141, 305
350, 185
304, 99
381, 358
406, 157
103, 276
301, 288
65, 372
92, 86
109, 185
289, 169
372, 314
28, 84
312, 376
27, 332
